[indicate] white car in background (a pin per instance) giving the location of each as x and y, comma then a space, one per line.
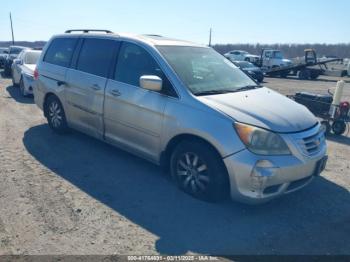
23, 70
239, 55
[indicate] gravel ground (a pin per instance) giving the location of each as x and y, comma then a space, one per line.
76, 195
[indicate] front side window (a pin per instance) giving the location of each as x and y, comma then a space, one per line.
15, 50
203, 70
268, 54
61, 51
96, 56
278, 55
134, 62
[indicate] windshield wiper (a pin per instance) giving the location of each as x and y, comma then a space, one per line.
224, 91
214, 92
249, 87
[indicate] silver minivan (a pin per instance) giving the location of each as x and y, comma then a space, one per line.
182, 106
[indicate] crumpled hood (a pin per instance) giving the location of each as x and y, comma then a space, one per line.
264, 108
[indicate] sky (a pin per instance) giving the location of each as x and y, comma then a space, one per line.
232, 21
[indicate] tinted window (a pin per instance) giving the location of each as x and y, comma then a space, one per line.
96, 56
15, 50
134, 62
61, 51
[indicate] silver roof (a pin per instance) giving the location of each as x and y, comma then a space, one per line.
149, 39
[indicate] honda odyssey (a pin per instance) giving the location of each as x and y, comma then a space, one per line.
183, 106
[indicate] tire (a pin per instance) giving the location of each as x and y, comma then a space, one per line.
13, 81
199, 171
338, 127
314, 75
55, 115
304, 74
21, 88
284, 74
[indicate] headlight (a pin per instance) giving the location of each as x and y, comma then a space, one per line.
261, 141
251, 72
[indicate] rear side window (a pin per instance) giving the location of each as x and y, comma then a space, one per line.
96, 56
134, 62
60, 51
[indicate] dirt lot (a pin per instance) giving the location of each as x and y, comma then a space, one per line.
75, 195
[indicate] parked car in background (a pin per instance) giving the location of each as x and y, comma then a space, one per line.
183, 106
239, 55
250, 69
13, 53
23, 70
3, 55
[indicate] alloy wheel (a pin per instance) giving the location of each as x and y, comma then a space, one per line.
193, 173
55, 114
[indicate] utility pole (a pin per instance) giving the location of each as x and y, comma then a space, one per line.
13, 38
210, 37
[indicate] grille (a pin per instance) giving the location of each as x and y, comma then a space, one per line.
311, 145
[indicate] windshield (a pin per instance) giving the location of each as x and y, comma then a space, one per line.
15, 50
32, 58
278, 54
204, 70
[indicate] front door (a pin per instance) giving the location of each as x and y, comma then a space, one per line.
133, 115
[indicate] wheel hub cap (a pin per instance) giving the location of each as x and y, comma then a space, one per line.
193, 172
55, 114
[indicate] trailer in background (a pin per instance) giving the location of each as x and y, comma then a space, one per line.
310, 68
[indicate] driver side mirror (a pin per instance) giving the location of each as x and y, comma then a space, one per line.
18, 61
151, 82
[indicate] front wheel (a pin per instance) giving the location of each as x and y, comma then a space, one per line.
55, 115
199, 171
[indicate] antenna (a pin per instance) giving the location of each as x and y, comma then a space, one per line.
210, 31
13, 38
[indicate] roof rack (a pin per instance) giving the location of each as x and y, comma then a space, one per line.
85, 31
150, 35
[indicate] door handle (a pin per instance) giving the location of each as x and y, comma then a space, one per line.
115, 92
61, 83
95, 87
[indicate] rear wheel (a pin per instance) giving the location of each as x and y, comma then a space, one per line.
314, 75
284, 74
55, 115
199, 171
339, 127
304, 74
13, 80
21, 87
